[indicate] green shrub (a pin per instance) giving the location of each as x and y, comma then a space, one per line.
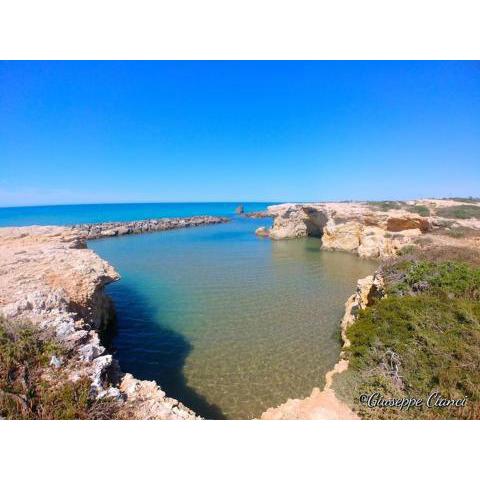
460, 212
446, 279
437, 345
31, 389
421, 210
407, 250
386, 205
430, 322
465, 199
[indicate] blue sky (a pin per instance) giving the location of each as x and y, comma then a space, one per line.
89, 132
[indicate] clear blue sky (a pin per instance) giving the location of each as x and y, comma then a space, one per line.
88, 132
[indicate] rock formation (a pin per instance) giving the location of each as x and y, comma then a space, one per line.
259, 214
365, 228
92, 231
375, 229
49, 277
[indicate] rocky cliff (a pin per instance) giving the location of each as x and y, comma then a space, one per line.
49, 277
373, 229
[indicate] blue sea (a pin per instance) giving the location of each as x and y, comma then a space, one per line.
109, 212
228, 323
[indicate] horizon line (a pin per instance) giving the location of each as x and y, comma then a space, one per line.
146, 202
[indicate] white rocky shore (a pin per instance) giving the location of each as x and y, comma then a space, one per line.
48, 276
365, 229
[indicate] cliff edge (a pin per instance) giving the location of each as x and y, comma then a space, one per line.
377, 229
49, 277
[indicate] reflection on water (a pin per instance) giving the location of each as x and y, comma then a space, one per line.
228, 323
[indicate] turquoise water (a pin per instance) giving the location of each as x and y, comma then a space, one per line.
228, 323
95, 213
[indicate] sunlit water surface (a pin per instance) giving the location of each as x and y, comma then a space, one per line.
228, 323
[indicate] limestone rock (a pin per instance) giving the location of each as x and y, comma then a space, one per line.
91, 231
262, 232
353, 227
49, 277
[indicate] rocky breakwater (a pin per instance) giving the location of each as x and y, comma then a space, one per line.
324, 404
49, 277
353, 227
93, 231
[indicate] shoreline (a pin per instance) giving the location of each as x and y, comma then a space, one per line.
66, 289
50, 277
324, 404
367, 231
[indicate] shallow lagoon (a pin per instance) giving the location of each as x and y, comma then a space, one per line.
228, 323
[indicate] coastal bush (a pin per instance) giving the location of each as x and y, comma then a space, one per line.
457, 232
443, 253
460, 211
429, 324
437, 346
421, 210
464, 199
32, 389
445, 279
386, 205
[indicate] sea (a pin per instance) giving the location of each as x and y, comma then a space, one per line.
226, 322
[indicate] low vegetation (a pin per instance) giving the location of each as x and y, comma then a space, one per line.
461, 212
421, 210
31, 388
386, 205
464, 199
423, 337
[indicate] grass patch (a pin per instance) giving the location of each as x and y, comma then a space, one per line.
386, 205
445, 253
464, 199
421, 210
462, 212
423, 337
31, 389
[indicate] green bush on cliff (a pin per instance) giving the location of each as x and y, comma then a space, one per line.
421, 210
386, 205
31, 389
423, 337
446, 279
460, 211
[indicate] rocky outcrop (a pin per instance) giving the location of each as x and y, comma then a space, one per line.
352, 227
297, 220
260, 214
262, 232
49, 277
92, 231
324, 404
376, 229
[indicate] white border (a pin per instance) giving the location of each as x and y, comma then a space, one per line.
239, 29
239, 449
247, 29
